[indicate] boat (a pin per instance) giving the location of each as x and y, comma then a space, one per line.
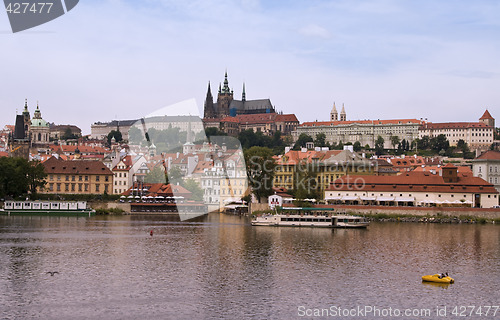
47, 207
309, 217
438, 279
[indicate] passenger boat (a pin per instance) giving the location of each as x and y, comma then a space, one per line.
309, 217
438, 279
47, 207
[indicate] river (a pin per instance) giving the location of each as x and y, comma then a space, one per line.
220, 267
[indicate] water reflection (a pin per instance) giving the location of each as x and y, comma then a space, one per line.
219, 266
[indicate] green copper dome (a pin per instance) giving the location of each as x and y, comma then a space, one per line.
39, 123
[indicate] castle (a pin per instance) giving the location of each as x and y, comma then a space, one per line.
226, 105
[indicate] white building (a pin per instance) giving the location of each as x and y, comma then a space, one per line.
487, 167
477, 135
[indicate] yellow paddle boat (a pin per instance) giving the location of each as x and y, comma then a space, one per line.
440, 278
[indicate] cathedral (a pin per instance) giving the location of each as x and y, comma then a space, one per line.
226, 105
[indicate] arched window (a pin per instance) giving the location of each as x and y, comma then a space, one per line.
39, 136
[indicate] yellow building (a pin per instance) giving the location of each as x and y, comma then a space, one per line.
313, 169
77, 177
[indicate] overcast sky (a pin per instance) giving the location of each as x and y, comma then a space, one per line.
383, 59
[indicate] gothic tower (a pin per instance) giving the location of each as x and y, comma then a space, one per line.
342, 114
224, 99
334, 115
209, 111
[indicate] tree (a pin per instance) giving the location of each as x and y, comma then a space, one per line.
36, 176
114, 134
320, 140
68, 134
440, 143
19, 176
213, 131
174, 175
302, 140
357, 146
379, 145
194, 188
157, 175
260, 170
424, 143
394, 141
462, 146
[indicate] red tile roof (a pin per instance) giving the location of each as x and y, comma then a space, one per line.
293, 157
486, 115
286, 118
453, 125
376, 122
58, 166
489, 155
412, 182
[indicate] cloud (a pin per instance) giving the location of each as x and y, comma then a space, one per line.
315, 31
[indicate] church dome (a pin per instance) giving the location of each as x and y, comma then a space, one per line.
39, 123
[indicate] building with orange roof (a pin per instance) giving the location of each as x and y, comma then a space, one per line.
316, 169
77, 177
478, 135
364, 131
487, 167
444, 188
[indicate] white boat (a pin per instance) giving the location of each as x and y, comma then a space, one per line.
309, 217
46, 207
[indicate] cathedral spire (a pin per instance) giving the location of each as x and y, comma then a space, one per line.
243, 95
225, 89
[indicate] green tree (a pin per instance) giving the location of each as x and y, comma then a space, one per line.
36, 176
424, 143
394, 141
68, 134
194, 188
135, 135
357, 146
379, 145
114, 134
157, 175
19, 176
302, 140
440, 143
174, 175
462, 146
260, 167
320, 140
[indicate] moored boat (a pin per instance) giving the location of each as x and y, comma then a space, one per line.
438, 278
309, 217
47, 207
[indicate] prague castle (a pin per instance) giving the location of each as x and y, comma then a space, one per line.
226, 105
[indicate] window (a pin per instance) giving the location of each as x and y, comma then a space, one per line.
67, 178
51, 177
97, 188
66, 187
51, 186
72, 187
86, 187
80, 187
106, 178
73, 178
97, 178
80, 178
86, 178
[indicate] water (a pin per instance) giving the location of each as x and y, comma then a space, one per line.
219, 266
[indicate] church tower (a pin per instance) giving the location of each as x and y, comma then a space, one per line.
342, 114
224, 98
209, 111
334, 115
27, 119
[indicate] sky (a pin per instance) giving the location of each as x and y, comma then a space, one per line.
382, 59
